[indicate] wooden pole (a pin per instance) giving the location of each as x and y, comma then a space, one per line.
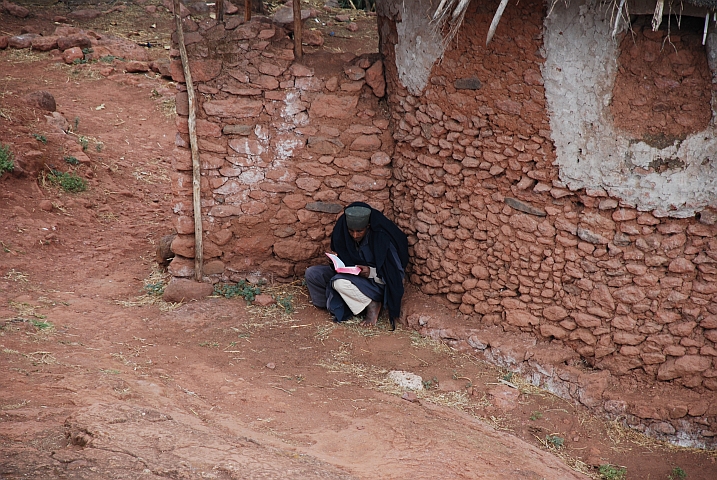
298, 51
247, 10
196, 170
220, 10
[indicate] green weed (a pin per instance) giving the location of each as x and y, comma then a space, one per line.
69, 182
554, 441
41, 324
40, 138
285, 303
209, 344
84, 142
536, 416
99, 146
6, 156
72, 161
429, 384
155, 289
241, 289
677, 474
611, 472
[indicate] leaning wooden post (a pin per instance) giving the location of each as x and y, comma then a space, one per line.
196, 170
298, 52
247, 10
220, 10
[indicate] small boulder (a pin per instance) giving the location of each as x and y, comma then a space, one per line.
71, 54
135, 66
75, 40
46, 205
84, 14
3, 42
183, 290
313, 38
15, 10
22, 41
284, 16
44, 44
230, 8
264, 300
164, 253
57, 121
352, 27
42, 100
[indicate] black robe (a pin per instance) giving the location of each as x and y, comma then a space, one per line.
383, 232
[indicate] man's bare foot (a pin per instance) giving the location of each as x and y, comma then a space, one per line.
372, 311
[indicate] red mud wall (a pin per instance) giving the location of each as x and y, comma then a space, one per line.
283, 147
491, 229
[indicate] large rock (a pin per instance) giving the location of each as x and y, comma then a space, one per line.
76, 40
15, 10
44, 44
72, 54
84, 14
182, 290
42, 100
22, 41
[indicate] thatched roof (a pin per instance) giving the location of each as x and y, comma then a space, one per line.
449, 14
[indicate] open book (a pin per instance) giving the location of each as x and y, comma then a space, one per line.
340, 267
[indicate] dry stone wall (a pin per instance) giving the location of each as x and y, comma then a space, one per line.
493, 228
284, 146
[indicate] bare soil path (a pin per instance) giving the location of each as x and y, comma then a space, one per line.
100, 379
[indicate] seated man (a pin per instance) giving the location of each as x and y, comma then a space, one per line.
363, 237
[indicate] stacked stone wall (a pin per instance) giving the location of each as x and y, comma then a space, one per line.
494, 229
284, 146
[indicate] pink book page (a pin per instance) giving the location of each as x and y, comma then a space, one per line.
340, 267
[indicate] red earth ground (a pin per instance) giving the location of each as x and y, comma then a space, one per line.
101, 379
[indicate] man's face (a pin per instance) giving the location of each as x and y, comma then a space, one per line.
358, 235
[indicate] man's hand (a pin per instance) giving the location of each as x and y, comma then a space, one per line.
365, 271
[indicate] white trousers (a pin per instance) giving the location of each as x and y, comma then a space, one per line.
353, 297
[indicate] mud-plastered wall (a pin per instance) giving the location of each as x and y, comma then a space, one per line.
284, 146
518, 232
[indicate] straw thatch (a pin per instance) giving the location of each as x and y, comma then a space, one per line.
449, 14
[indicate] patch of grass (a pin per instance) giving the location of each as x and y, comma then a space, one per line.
611, 472
6, 159
69, 182
99, 146
87, 51
285, 303
110, 371
677, 474
39, 137
555, 441
71, 160
429, 384
241, 289
536, 416
209, 344
41, 324
155, 289
84, 142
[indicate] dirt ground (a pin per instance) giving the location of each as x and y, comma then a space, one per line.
101, 379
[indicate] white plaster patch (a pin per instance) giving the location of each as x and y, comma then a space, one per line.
418, 46
579, 73
251, 176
